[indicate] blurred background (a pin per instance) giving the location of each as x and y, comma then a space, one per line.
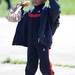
67, 6
62, 53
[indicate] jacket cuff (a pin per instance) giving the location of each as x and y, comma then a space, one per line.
54, 5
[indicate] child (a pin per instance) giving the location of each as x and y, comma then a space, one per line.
35, 31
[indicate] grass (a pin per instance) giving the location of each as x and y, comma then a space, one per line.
65, 65
3, 9
11, 61
67, 7
18, 61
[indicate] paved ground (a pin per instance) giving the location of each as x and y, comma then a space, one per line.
7, 69
63, 48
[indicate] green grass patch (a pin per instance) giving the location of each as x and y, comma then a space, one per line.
11, 61
67, 7
65, 65
3, 9
18, 61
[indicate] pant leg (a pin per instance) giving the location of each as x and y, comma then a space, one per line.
8, 4
32, 61
45, 65
0, 1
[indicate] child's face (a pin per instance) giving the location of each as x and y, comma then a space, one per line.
37, 2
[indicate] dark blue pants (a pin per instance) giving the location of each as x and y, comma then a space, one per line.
35, 53
8, 4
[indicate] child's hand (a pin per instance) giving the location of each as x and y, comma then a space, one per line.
26, 3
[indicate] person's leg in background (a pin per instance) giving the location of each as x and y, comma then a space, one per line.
8, 4
0, 1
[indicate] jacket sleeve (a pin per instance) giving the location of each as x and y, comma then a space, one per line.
54, 14
20, 37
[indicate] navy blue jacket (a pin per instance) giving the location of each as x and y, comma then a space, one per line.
48, 22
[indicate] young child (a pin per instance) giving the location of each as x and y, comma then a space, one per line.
35, 31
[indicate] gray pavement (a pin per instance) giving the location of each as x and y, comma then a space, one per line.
62, 52
8, 69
